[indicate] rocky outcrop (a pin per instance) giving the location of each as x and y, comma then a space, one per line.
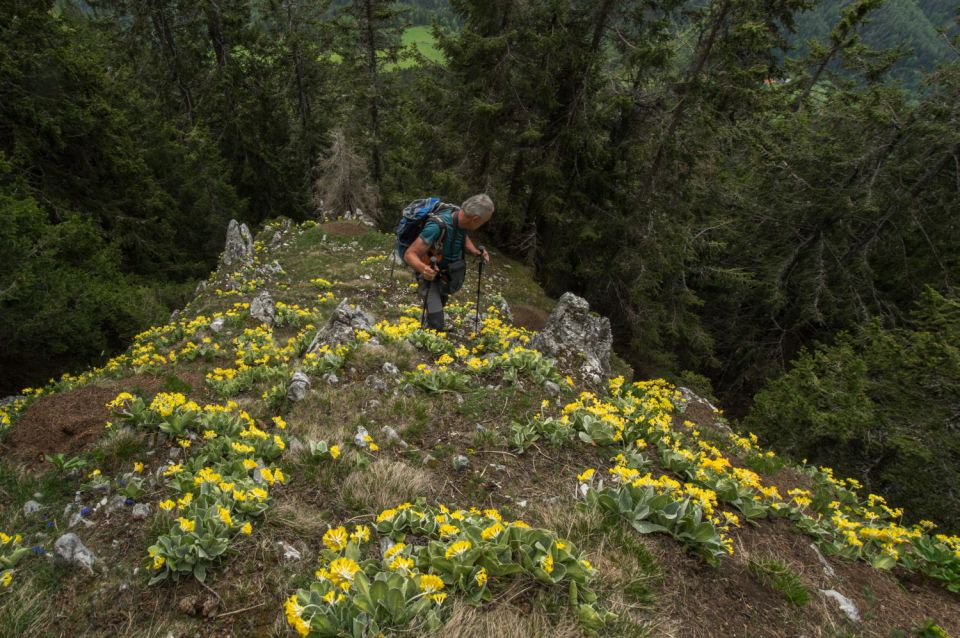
238, 251
341, 327
299, 387
572, 331
69, 550
263, 309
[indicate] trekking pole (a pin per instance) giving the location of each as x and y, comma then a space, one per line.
476, 326
426, 297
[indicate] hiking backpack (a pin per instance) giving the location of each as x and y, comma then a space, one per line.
414, 217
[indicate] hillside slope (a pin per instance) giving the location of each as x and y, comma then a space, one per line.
409, 482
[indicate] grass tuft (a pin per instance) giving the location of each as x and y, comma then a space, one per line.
780, 577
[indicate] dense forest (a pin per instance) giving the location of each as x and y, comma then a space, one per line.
736, 203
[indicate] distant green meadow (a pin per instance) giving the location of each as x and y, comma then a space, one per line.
419, 37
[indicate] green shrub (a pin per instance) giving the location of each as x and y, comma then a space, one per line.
880, 405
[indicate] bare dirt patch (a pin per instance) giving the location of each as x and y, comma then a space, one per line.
344, 229
529, 317
69, 422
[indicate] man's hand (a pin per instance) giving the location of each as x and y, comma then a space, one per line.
485, 255
429, 273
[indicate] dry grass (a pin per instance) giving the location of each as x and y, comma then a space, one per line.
503, 621
301, 518
385, 484
24, 610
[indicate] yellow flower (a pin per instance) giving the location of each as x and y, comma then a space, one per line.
93, 474
481, 577
430, 583
187, 525
293, 609
334, 451
209, 435
586, 475
279, 422
491, 531
561, 545
185, 500
342, 570
360, 534
547, 563
138, 467
386, 515
396, 549
184, 443
449, 530
335, 538
401, 563
224, 514
167, 505
247, 528
438, 598
457, 548
173, 469
249, 464
7, 578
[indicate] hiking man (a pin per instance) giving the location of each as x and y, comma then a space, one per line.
445, 237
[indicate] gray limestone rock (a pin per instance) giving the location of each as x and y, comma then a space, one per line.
460, 462
299, 386
390, 368
140, 511
262, 308
330, 379
30, 508
552, 388
69, 550
217, 324
238, 251
376, 383
341, 327
847, 606
573, 331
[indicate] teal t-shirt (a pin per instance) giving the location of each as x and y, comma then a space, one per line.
453, 241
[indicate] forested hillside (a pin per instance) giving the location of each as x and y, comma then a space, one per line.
724, 199
922, 28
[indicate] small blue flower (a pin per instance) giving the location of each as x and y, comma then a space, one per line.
85, 511
39, 551
51, 523
121, 482
129, 501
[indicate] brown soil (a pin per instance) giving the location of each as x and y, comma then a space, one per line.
69, 422
529, 317
345, 229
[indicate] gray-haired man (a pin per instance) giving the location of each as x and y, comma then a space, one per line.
452, 226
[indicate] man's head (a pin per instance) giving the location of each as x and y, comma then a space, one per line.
476, 212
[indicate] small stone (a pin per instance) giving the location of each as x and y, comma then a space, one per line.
360, 438
299, 387
498, 467
69, 550
479, 427
210, 607
116, 503
330, 379
295, 446
409, 390
390, 368
431, 461
187, 605
846, 605
377, 384
460, 462
552, 388
217, 324
140, 511
289, 551
31, 507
